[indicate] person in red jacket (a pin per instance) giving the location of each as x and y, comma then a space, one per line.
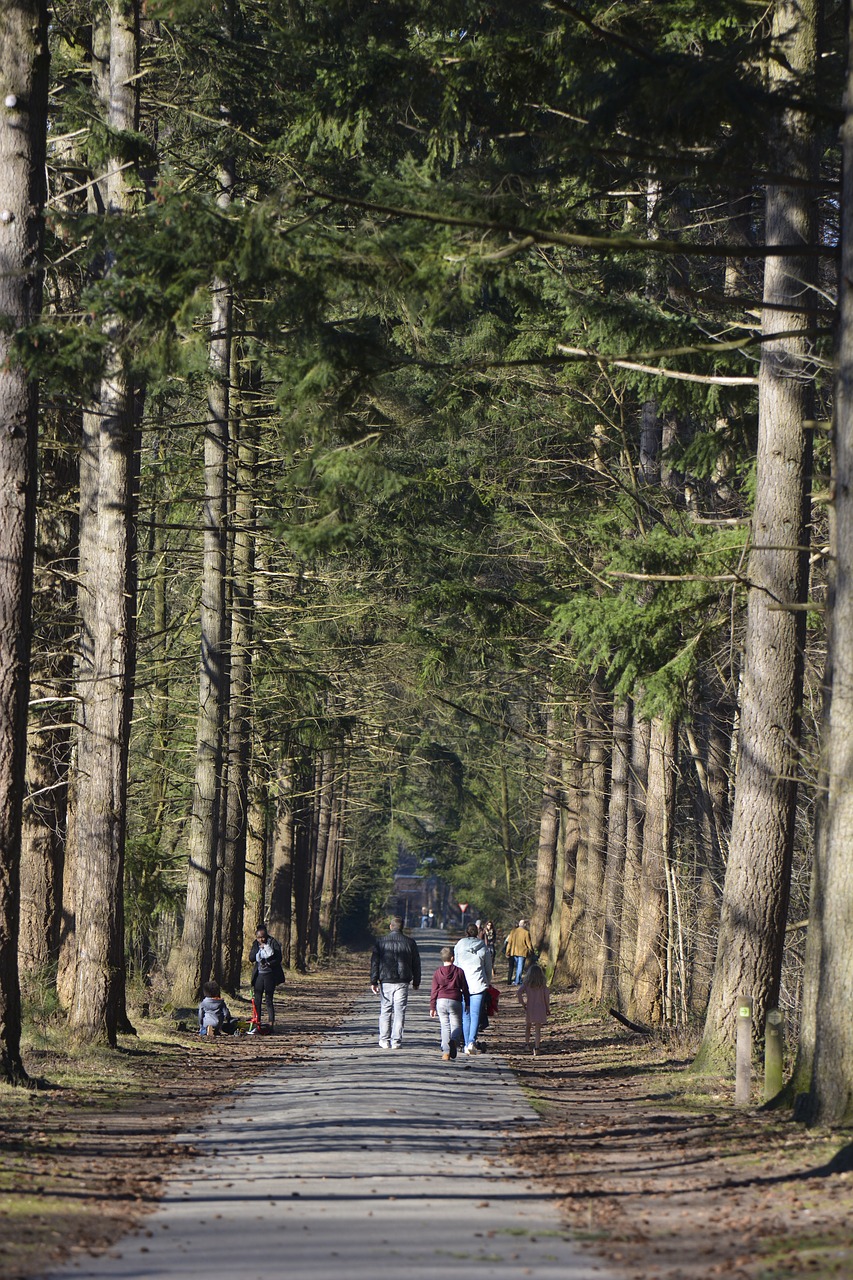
449, 992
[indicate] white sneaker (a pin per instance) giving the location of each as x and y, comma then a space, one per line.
471, 1050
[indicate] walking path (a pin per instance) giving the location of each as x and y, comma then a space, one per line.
359, 1163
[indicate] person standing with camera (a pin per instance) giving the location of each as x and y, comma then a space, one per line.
267, 971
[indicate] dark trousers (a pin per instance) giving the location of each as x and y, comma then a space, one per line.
265, 992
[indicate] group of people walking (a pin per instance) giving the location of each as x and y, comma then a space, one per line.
461, 993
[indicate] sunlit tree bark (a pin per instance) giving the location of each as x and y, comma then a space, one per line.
824, 1069
757, 883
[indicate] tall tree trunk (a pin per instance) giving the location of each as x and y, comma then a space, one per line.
160, 755
710, 750
549, 818
638, 778
595, 821
567, 849
573, 950
97, 200
506, 831
647, 998
325, 804
258, 829
240, 691
194, 957
97, 1007
43, 827
303, 859
757, 882
330, 904
824, 1068
254, 893
50, 711
614, 871
23, 129
280, 915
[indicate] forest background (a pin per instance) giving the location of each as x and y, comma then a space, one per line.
468, 385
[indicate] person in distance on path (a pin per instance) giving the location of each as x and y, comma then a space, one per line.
394, 964
487, 933
449, 992
534, 995
519, 945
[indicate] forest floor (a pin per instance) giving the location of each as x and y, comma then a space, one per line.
656, 1171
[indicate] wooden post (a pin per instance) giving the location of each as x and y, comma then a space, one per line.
774, 1042
743, 1070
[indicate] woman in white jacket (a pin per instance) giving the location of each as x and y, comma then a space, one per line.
473, 956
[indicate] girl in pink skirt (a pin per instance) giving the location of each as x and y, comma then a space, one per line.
536, 998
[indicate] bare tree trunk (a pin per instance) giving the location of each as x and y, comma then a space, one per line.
280, 915
89, 465
824, 1068
23, 128
97, 1007
614, 871
564, 876
546, 857
638, 778
710, 750
194, 958
325, 804
256, 862
43, 827
160, 755
303, 859
330, 904
240, 720
595, 821
573, 950
258, 831
51, 709
757, 882
648, 980
506, 832
50, 713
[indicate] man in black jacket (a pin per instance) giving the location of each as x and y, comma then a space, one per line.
395, 963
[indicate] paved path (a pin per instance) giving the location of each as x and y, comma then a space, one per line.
357, 1164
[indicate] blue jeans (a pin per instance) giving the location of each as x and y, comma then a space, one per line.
471, 1018
519, 969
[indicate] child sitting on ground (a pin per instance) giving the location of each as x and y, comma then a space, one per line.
536, 998
213, 1013
449, 990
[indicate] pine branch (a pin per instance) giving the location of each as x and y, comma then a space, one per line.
708, 380
574, 240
